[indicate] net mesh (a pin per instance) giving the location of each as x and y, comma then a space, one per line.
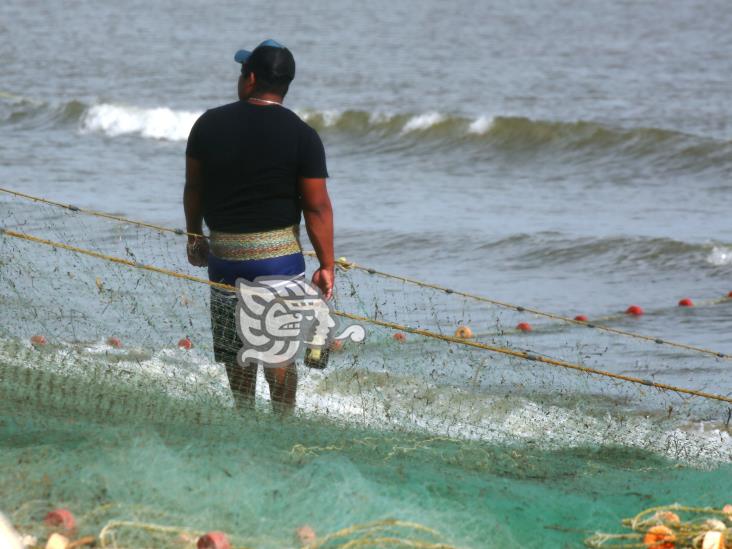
412, 409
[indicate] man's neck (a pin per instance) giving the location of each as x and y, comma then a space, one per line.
266, 98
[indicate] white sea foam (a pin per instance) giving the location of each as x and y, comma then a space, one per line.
481, 125
376, 118
423, 121
174, 125
328, 118
331, 118
451, 412
158, 123
720, 256
459, 414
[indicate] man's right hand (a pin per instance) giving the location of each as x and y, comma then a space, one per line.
324, 279
197, 249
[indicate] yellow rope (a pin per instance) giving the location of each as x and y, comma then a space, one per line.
353, 265
98, 214
521, 309
386, 324
640, 520
397, 542
365, 530
113, 524
685, 533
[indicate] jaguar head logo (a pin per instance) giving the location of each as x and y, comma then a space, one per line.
276, 316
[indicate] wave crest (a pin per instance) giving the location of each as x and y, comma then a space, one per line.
412, 131
720, 256
517, 134
158, 123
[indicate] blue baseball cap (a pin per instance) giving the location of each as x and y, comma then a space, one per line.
270, 60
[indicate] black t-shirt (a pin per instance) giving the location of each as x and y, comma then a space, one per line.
251, 157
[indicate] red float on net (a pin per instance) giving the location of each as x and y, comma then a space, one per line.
306, 535
213, 540
61, 518
114, 342
686, 302
186, 344
581, 318
38, 340
399, 337
524, 326
634, 310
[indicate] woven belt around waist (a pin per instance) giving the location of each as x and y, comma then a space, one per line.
263, 245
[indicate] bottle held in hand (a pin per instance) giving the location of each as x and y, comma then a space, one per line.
316, 356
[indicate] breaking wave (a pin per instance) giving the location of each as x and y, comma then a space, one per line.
507, 134
720, 256
158, 123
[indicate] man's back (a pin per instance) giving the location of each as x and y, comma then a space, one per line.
252, 156
252, 168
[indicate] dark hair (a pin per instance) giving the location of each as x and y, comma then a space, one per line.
264, 85
274, 69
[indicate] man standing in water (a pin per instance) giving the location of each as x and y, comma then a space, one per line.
252, 168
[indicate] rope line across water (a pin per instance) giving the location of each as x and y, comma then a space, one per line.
537, 312
353, 265
386, 324
95, 213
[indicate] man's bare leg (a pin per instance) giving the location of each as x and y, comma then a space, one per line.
282, 387
243, 381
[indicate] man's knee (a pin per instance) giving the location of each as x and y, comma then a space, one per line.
281, 375
241, 376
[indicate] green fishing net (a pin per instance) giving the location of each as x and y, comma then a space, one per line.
457, 444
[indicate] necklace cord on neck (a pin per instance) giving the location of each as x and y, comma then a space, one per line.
267, 101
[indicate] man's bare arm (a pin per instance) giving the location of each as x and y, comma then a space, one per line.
318, 213
193, 206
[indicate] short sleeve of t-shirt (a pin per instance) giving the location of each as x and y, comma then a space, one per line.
193, 148
311, 161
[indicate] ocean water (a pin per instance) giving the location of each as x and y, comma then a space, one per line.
573, 156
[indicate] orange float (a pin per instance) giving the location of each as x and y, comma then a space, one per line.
667, 517
660, 537
464, 332
38, 340
186, 344
114, 342
399, 337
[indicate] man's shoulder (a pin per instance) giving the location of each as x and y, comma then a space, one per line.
301, 124
222, 110
216, 119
